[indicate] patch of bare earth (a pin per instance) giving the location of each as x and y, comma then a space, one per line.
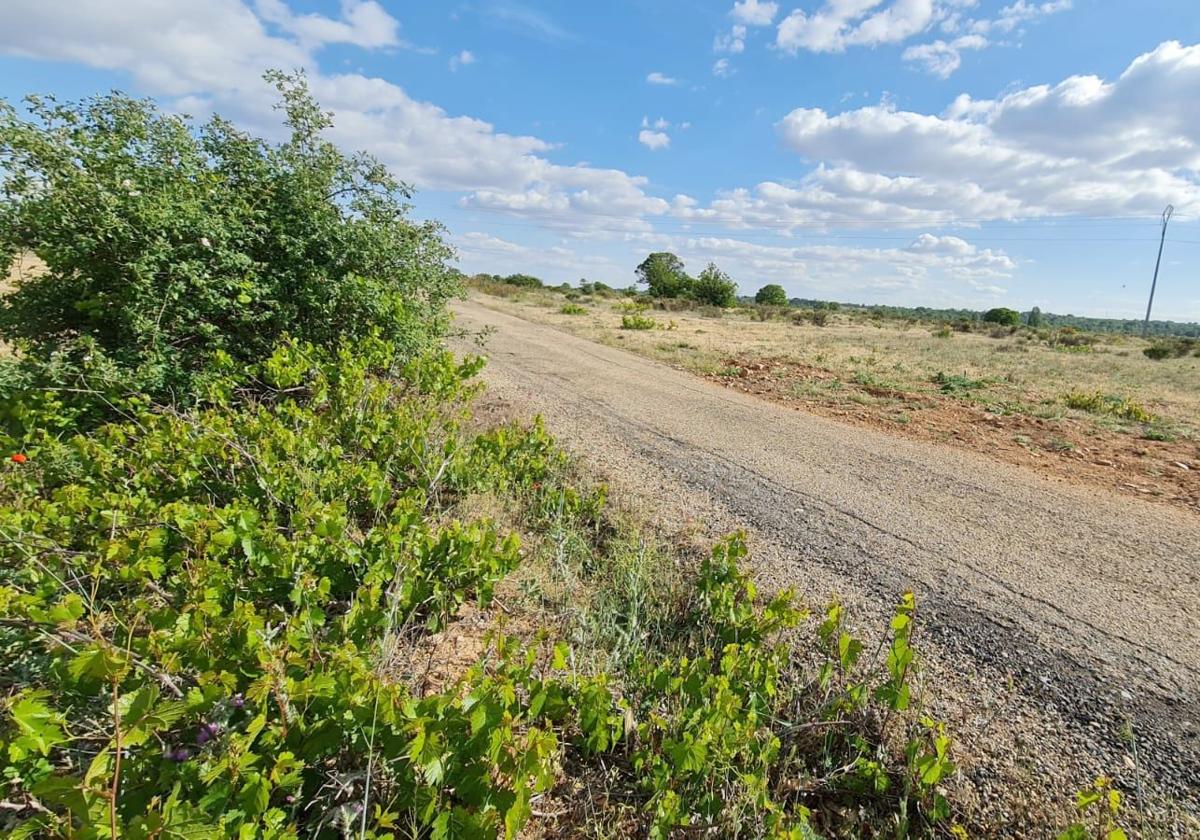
1063, 448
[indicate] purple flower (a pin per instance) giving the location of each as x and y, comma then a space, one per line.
207, 732
179, 754
237, 700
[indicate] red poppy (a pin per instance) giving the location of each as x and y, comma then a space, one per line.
19, 458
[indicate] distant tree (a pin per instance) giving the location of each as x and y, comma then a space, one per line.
664, 276
771, 294
526, 280
714, 287
1003, 315
1034, 318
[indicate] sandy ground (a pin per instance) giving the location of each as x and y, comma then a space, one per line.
1062, 623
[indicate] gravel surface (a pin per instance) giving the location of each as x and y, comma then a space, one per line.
1063, 623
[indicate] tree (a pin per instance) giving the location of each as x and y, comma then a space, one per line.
771, 294
1002, 315
714, 287
1034, 319
170, 247
663, 275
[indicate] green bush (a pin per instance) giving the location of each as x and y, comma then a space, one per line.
1172, 349
170, 247
634, 321
573, 309
1003, 315
1096, 402
198, 608
664, 277
771, 294
713, 287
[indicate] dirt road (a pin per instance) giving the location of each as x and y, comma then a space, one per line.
1089, 601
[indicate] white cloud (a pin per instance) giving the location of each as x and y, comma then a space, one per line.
657, 78
363, 23
734, 42
722, 68
942, 58
210, 55
461, 60
754, 13
844, 23
1011, 17
1083, 146
654, 140
841, 24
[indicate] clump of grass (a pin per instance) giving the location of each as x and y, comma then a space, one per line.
957, 383
943, 331
573, 309
637, 321
1097, 402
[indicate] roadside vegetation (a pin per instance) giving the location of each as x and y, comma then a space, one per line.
263, 574
1096, 407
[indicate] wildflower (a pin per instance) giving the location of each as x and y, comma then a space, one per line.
207, 732
237, 701
204, 241
179, 754
19, 458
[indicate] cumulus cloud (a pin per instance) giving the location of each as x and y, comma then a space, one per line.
657, 78
461, 60
733, 42
841, 24
654, 140
1082, 146
942, 58
754, 13
363, 23
845, 23
722, 68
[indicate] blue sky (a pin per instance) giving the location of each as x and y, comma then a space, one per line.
936, 152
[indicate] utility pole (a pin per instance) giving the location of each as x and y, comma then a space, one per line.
1166, 217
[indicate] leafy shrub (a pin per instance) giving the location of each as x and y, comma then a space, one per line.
957, 384
1096, 402
944, 331
635, 321
1172, 349
664, 277
713, 287
1002, 315
816, 317
200, 604
169, 247
573, 309
771, 294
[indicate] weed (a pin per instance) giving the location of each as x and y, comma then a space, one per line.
957, 384
573, 309
1096, 402
638, 322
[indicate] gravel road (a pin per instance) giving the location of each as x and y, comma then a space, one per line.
1089, 602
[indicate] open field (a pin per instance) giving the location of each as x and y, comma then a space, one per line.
1010, 396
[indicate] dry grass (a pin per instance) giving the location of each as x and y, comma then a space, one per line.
1012, 396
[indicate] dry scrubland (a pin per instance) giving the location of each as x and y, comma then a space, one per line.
1098, 411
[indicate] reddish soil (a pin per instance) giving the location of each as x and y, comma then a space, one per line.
1063, 449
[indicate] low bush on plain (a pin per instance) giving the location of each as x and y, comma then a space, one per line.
573, 309
1096, 402
634, 321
